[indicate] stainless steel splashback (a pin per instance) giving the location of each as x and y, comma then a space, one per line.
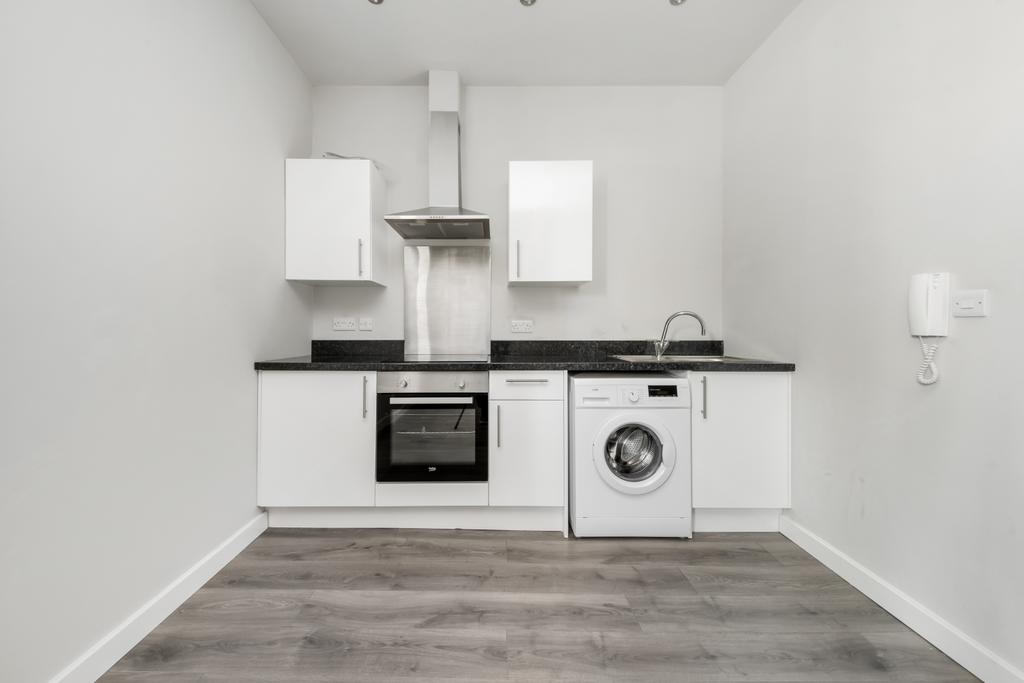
447, 302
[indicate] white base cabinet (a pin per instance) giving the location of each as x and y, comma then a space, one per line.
317, 439
741, 439
527, 439
317, 442
526, 453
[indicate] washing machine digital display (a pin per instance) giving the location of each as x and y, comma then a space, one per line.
662, 391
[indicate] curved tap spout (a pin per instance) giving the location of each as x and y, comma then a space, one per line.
661, 345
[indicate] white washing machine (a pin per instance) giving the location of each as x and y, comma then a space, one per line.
629, 468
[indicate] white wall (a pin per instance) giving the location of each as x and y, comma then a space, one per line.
866, 141
141, 259
657, 158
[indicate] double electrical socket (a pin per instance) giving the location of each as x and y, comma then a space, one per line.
350, 324
522, 326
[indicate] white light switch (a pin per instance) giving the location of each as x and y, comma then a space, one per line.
970, 303
366, 324
522, 326
344, 324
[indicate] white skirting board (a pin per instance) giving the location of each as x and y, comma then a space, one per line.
969, 653
735, 520
95, 661
498, 519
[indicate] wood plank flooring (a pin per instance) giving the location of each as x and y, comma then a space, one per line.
386, 605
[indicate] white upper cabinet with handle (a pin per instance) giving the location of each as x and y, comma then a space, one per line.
740, 439
550, 222
334, 221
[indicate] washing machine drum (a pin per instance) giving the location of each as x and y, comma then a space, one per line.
634, 457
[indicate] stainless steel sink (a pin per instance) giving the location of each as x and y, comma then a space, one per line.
676, 359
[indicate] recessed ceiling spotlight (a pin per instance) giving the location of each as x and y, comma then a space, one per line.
674, 2
376, 2
527, 3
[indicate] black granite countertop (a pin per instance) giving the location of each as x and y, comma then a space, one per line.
571, 356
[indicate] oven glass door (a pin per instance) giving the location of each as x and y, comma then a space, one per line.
430, 437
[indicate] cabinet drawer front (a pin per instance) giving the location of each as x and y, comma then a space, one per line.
525, 385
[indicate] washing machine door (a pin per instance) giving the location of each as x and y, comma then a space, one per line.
634, 456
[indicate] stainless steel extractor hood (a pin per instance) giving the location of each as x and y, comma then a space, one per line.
444, 219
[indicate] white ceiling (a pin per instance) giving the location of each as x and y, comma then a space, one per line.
500, 42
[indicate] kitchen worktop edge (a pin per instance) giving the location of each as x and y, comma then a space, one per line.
306, 363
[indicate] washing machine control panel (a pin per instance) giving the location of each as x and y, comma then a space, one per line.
648, 394
635, 393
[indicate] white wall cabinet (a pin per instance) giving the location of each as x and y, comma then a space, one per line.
741, 439
317, 439
550, 222
334, 222
527, 435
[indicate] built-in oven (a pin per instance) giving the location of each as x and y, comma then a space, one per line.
431, 426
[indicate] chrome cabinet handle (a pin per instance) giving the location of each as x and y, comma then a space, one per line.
518, 259
526, 381
360, 250
364, 396
704, 403
498, 406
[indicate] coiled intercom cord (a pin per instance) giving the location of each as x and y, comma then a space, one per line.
928, 373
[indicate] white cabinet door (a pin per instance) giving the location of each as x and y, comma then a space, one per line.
740, 439
550, 221
317, 439
334, 221
527, 453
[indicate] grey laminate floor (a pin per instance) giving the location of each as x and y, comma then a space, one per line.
369, 605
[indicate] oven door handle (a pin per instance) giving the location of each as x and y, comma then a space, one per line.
430, 400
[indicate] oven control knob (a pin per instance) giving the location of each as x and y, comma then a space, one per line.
461, 384
403, 383
634, 396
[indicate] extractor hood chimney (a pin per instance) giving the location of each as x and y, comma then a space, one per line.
444, 219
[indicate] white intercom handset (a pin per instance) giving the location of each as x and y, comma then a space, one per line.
928, 313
